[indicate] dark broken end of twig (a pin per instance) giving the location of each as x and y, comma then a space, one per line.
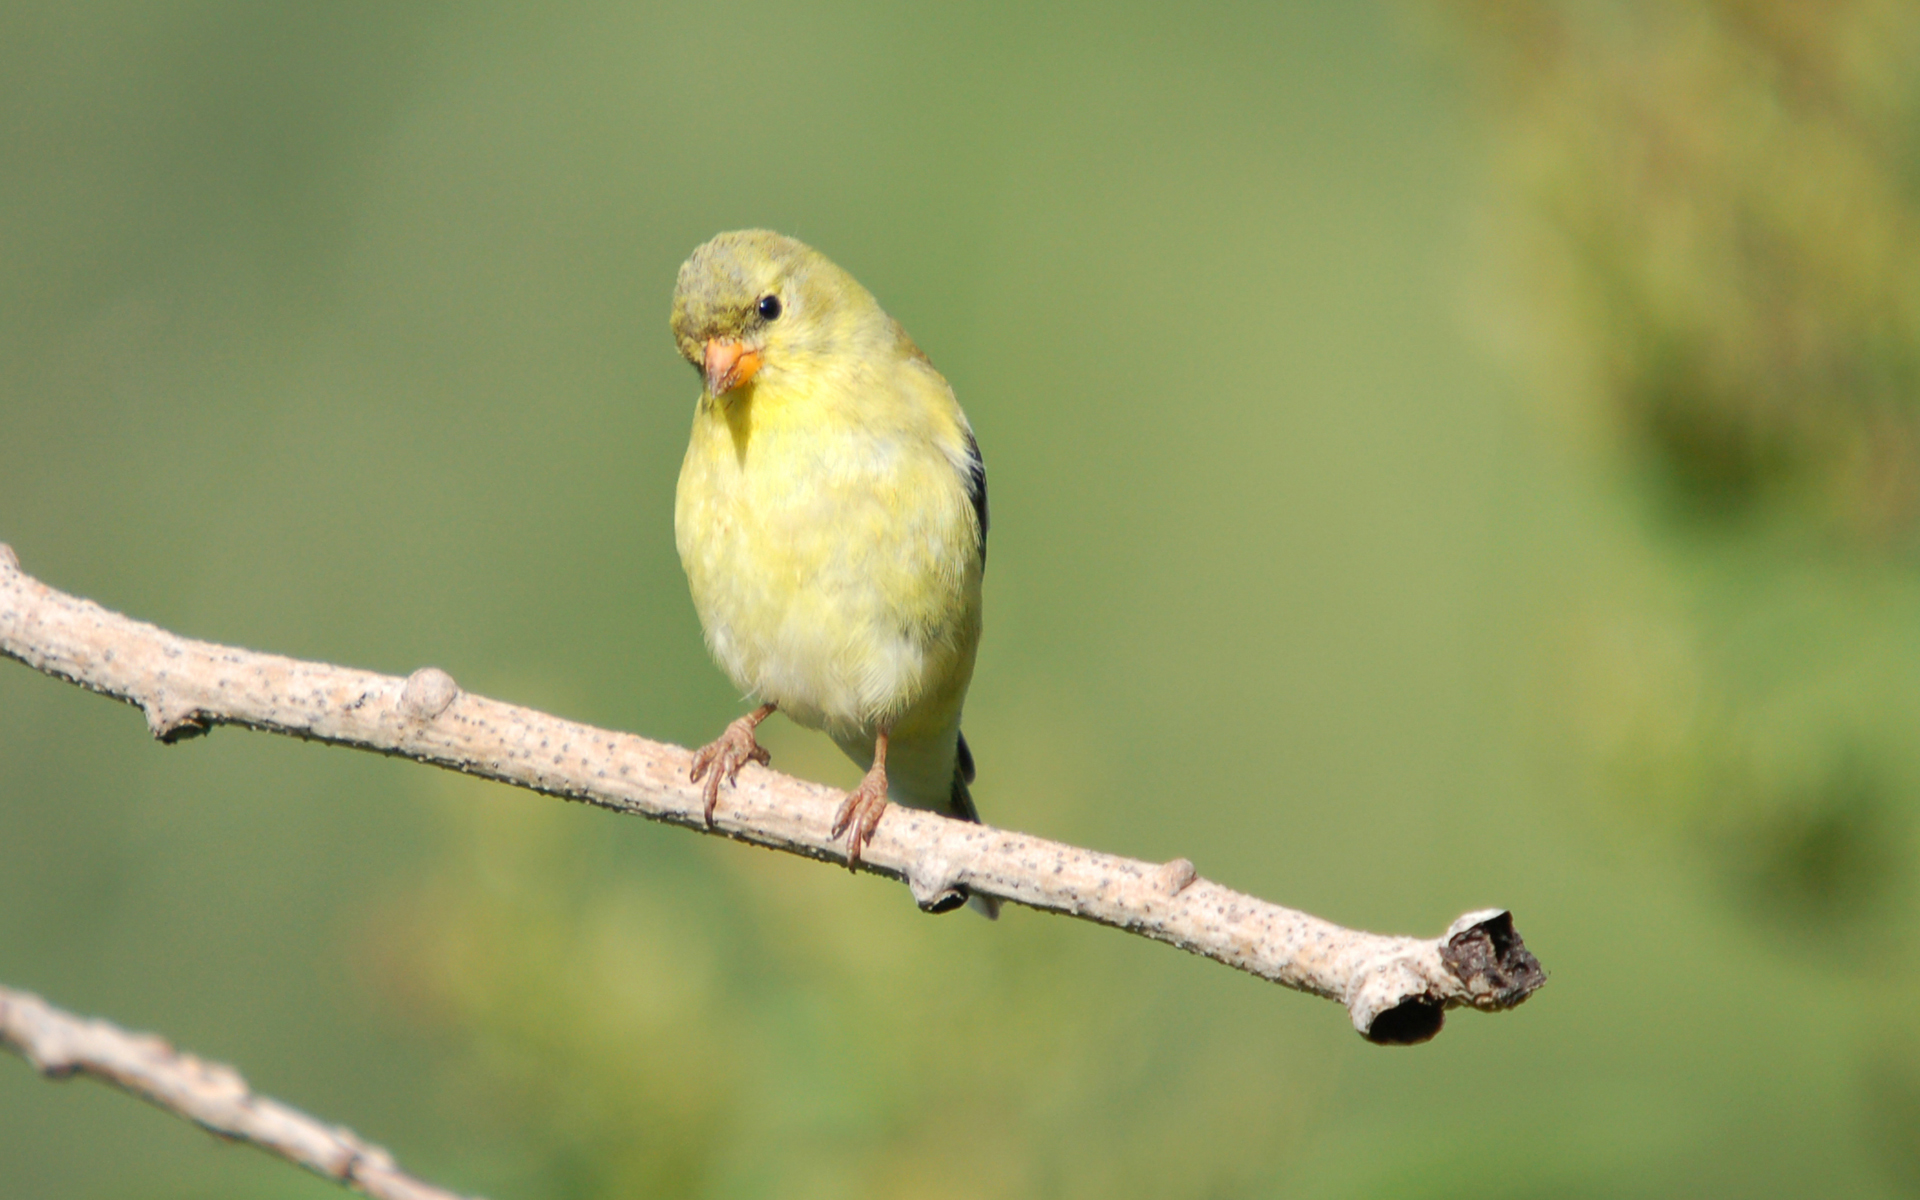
184, 729
1495, 970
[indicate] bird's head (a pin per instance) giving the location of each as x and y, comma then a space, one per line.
758, 303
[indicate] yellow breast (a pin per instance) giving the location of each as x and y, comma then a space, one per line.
832, 549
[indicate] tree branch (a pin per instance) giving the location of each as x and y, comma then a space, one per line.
1396, 989
215, 1097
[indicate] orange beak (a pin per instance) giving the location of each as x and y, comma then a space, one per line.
729, 365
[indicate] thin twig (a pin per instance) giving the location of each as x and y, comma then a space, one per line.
60, 1045
1395, 988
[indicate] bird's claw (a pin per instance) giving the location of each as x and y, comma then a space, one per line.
723, 757
860, 812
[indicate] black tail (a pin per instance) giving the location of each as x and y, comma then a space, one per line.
960, 800
960, 806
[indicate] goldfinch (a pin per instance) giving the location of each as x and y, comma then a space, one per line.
832, 520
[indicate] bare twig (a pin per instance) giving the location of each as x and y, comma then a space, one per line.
1395, 988
59, 1045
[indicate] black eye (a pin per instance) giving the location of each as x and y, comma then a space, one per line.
769, 308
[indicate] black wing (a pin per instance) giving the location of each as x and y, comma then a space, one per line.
977, 489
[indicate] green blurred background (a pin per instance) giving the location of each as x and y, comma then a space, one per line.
1443, 454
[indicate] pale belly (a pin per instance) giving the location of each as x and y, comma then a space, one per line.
839, 581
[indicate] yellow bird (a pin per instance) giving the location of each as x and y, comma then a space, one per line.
832, 520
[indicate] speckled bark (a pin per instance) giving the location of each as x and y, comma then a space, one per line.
215, 1097
1395, 988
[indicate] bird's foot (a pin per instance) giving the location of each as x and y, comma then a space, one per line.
723, 757
860, 813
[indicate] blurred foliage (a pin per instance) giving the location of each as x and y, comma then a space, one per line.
1892, 1109
340, 332
1710, 241
1722, 201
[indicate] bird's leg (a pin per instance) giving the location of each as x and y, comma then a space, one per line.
862, 808
726, 754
